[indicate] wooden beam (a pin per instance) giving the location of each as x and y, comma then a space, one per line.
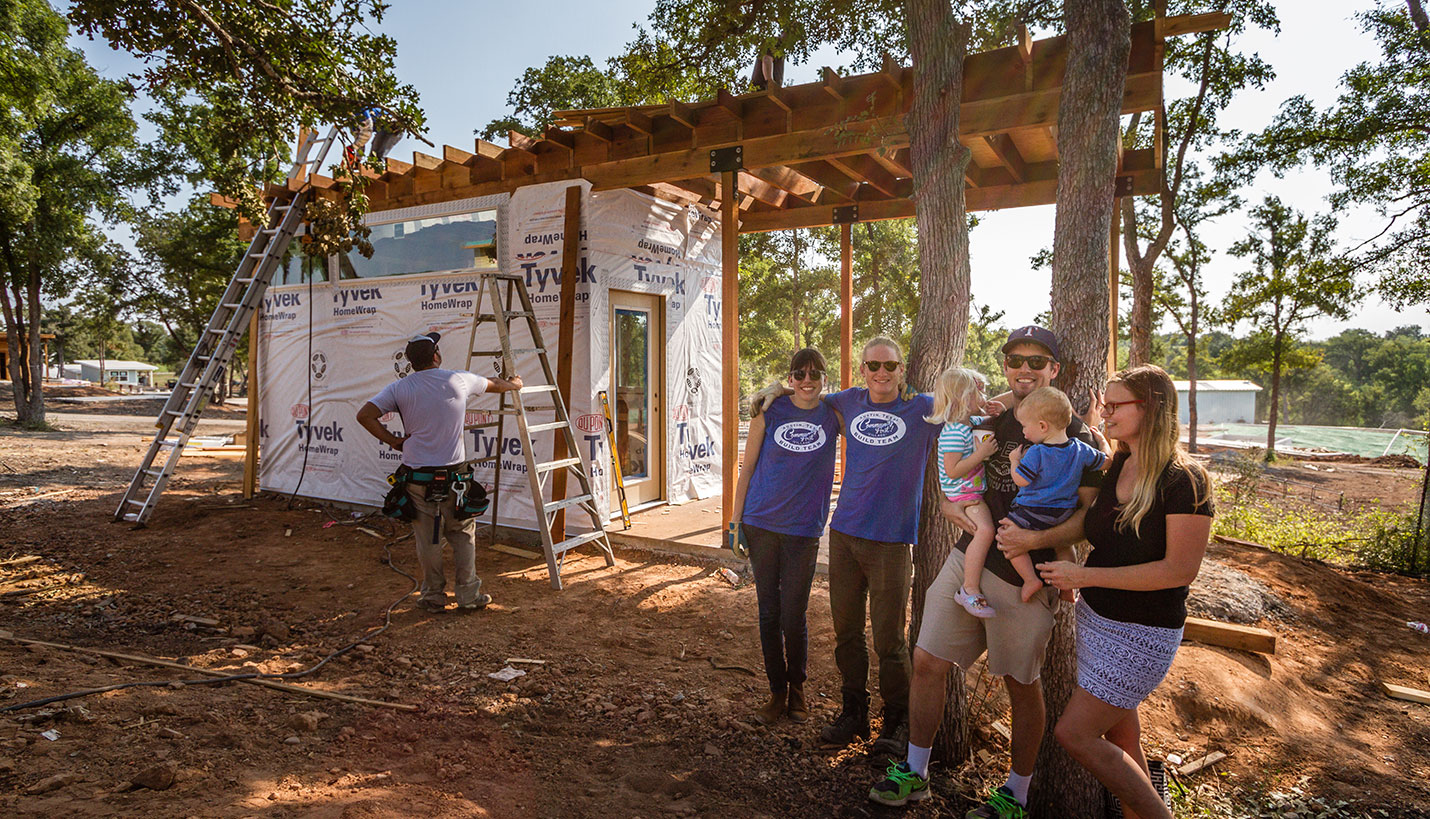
832, 181
700, 186
1228, 635
832, 83
761, 190
862, 168
761, 152
892, 162
457, 155
1195, 23
729, 103
789, 180
640, 122
425, 162
683, 114
250, 440
729, 345
570, 267
1007, 153
599, 130
1400, 692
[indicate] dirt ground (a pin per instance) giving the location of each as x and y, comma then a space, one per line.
628, 715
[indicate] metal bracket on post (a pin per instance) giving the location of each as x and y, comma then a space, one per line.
1124, 185
846, 215
727, 159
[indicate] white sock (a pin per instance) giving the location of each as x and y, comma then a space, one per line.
919, 760
1018, 784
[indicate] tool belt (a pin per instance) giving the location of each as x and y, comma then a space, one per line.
439, 484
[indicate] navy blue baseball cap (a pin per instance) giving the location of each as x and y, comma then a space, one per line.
417, 343
1033, 334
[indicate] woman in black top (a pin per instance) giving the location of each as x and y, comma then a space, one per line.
1149, 529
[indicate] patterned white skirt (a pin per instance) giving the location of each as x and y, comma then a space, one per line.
1121, 663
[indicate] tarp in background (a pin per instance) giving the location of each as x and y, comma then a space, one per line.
359, 328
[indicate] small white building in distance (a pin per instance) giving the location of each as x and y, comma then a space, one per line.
123, 372
1219, 402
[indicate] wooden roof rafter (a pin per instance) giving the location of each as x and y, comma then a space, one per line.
808, 148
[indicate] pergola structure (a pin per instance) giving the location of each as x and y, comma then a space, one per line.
830, 152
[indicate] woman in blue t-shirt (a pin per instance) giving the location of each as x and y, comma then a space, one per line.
781, 506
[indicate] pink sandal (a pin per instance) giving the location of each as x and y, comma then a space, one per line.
974, 604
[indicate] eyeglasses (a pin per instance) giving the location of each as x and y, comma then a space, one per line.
811, 374
873, 366
1109, 407
1013, 361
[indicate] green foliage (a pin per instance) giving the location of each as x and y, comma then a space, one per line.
188, 257
68, 158
1375, 141
235, 80
564, 83
1375, 539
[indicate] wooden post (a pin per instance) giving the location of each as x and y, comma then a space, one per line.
570, 267
250, 441
846, 318
1114, 261
729, 342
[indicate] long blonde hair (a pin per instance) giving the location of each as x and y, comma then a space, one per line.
1158, 443
956, 395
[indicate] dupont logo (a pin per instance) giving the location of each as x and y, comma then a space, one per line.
681, 412
591, 423
475, 417
299, 411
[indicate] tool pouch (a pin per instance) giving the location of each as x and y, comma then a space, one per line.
398, 504
471, 497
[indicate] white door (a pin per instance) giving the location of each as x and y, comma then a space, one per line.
637, 380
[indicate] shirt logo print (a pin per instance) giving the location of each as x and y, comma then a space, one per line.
800, 436
875, 428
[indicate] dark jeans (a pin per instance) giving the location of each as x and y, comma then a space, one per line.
877, 574
784, 570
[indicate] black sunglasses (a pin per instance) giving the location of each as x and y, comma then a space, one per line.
812, 374
873, 366
1013, 361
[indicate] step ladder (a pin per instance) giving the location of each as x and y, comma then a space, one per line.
509, 301
215, 346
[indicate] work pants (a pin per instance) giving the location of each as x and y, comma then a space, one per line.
429, 549
875, 574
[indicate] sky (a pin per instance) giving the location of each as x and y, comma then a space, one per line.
464, 57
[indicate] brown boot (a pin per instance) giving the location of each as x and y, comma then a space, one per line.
797, 711
770, 712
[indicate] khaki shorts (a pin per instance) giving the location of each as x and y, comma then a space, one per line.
1016, 639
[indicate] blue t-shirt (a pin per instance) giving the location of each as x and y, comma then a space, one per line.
886, 457
1055, 471
789, 490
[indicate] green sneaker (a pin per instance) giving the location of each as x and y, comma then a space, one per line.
899, 786
1000, 805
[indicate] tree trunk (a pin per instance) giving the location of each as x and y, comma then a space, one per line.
1139, 331
1099, 40
938, 45
1275, 405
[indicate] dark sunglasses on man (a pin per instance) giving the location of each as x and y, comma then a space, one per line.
1013, 361
811, 374
873, 366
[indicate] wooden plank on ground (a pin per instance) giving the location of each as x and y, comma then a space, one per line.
1400, 692
1229, 635
1201, 764
513, 550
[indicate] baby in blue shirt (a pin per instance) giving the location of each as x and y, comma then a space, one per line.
1047, 472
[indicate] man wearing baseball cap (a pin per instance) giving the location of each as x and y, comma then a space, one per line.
433, 405
1017, 637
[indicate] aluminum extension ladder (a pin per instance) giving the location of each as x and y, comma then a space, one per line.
538, 473
215, 346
